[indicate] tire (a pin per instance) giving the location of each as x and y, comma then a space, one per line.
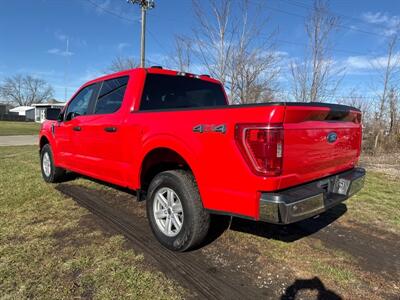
195, 220
50, 172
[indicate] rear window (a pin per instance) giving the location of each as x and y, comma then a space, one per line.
165, 91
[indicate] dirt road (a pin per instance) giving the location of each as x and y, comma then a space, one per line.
190, 269
18, 140
376, 253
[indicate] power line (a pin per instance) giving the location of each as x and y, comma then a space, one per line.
158, 42
163, 48
305, 18
333, 49
306, 6
111, 12
341, 26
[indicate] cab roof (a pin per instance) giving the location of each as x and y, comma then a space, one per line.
151, 70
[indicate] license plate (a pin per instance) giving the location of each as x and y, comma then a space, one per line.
342, 186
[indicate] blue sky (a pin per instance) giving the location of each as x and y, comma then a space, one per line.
34, 34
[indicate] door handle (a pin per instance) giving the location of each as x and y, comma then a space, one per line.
76, 128
110, 129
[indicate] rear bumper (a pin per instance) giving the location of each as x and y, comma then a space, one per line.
307, 200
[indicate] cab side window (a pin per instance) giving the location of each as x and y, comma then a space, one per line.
111, 95
80, 104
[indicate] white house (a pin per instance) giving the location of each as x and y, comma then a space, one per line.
40, 109
27, 111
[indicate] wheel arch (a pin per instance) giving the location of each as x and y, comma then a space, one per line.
43, 141
47, 139
161, 159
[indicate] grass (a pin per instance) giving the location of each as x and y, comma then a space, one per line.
18, 128
378, 205
379, 202
50, 248
336, 273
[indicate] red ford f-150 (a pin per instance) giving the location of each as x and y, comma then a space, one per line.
173, 138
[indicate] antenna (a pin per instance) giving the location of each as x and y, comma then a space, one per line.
66, 71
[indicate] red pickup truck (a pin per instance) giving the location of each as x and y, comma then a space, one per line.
173, 138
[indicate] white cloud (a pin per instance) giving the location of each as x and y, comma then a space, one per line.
37, 73
60, 36
391, 23
122, 46
75, 41
280, 53
368, 62
89, 74
358, 62
57, 51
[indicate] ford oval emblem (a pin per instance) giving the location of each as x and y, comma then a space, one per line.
331, 137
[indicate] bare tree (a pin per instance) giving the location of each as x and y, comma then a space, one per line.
120, 63
393, 112
233, 49
25, 90
315, 77
254, 65
183, 53
387, 106
358, 100
214, 36
390, 69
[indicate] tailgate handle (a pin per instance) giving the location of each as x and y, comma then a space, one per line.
110, 129
77, 128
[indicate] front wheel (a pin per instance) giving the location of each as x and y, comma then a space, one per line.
50, 172
175, 211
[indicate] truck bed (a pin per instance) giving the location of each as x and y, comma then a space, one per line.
225, 180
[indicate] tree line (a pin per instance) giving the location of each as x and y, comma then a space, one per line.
228, 41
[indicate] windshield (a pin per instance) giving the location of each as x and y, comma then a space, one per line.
166, 91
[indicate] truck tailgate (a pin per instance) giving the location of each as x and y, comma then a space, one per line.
320, 140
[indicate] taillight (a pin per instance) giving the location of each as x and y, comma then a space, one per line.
262, 147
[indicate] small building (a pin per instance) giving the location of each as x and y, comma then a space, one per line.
4, 108
26, 111
40, 109
21, 110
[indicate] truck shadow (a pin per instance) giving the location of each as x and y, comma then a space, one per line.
286, 233
220, 223
113, 215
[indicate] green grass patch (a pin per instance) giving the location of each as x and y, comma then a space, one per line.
18, 128
338, 274
378, 203
50, 248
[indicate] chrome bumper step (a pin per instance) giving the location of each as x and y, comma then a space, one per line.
310, 199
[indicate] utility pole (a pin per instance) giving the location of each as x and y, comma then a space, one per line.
145, 5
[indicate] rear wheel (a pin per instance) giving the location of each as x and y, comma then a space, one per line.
50, 172
175, 211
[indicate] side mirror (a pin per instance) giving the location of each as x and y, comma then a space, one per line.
60, 117
52, 113
71, 115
